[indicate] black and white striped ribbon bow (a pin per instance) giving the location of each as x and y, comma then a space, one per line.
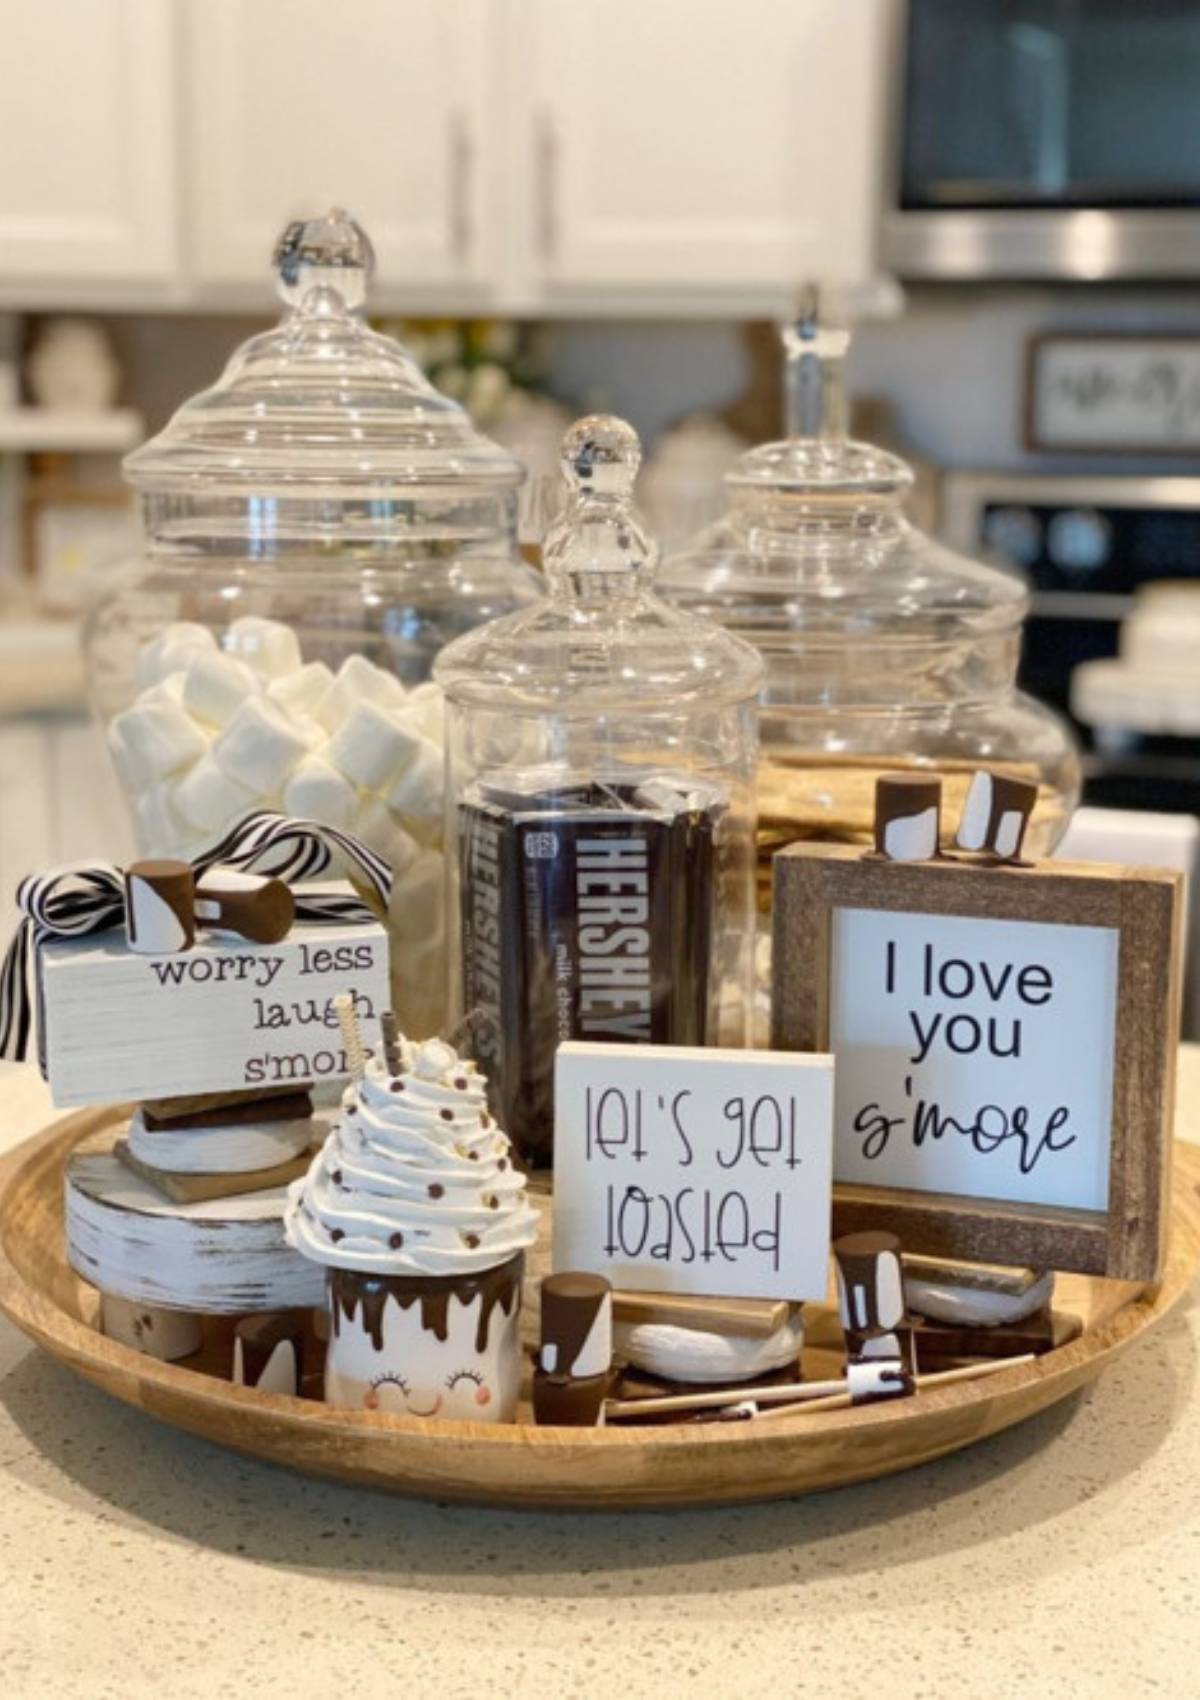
81, 899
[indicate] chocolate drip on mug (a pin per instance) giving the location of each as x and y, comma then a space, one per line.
501, 1286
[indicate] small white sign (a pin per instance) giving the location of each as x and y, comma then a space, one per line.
679, 1170
974, 1056
224, 1015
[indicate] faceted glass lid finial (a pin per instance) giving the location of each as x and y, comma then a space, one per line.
332, 252
599, 534
816, 456
600, 456
601, 641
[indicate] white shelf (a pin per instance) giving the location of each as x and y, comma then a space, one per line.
29, 430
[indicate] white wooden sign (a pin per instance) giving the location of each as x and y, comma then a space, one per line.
694, 1171
974, 1056
224, 1015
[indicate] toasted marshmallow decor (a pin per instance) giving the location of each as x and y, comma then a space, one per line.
164, 1334
159, 907
996, 815
908, 810
251, 906
415, 1207
268, 1352
574, 1367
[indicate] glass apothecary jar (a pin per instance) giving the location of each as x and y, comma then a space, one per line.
318, 525
884, 650
600, 806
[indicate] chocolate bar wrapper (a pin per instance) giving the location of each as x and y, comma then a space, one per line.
586, 914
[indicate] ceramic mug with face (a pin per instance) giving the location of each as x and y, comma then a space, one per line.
426, 1346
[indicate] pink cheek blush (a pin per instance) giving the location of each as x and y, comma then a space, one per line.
483, 1395
371, 1399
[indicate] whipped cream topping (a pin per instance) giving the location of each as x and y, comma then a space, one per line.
416, 1178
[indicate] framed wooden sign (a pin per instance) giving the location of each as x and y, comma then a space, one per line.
1004, 1042
1113, 393
680, 1170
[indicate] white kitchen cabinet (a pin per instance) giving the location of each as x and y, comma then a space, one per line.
88, 179
684, 149
381, 106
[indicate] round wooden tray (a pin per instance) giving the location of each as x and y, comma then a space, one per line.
522, 1465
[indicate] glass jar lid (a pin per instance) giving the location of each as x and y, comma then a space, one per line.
320, 404
601, 641
815, 545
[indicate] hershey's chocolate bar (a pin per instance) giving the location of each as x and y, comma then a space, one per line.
586, 914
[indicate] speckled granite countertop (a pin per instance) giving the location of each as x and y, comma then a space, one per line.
1059, 1559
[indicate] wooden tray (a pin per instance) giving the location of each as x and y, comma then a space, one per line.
522, 1465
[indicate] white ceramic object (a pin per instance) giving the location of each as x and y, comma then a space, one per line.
691, 1354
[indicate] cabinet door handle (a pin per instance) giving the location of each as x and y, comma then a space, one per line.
462, 164
547, 186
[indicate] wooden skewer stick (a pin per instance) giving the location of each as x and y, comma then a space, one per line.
795, 1395
940, 1378
351, 1037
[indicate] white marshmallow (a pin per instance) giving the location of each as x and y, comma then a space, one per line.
369, 746
317, 791
415, 914
158, 739
260, 746
172, 650
310, 730
378, 829
358, 680
207, 798
157, 827
266, 645
168, 689
425, 712
300, 692
418, 793
215, 686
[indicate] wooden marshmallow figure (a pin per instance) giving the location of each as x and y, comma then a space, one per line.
159, 907
996, 815
870, 1281
164, 1334
268, 1352
574, 1368
908, 809
254, 906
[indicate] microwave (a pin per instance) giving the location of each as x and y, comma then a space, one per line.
1046, 139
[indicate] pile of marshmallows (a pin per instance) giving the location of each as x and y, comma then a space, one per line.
217, 732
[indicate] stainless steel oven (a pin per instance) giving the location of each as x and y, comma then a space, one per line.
1086, 544
1047, 139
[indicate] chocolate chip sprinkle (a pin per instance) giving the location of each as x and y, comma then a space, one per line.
336, 1234
436, 1189
493, 1203
503, 1163
471, 1241
474, 1156
447, 1115
461, 1084
336, 1177
396, 1241
397, 1086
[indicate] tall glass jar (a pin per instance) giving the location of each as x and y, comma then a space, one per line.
318, 525
600, 806
884, 650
